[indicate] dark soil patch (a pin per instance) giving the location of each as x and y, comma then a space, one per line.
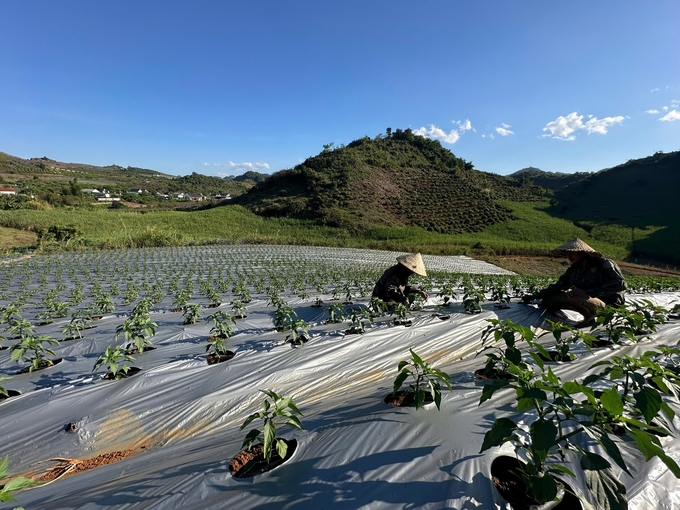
255, 456
398, 322
68, 467
214, 359
10, 394
132, 371
351, 331
301, 340
555, 356
484, 374
132, 352
513, 489
405, 398
45, 364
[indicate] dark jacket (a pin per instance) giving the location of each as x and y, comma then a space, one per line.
598, 276
393, 287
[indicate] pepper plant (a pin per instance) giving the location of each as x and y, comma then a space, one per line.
31, 350
336, 313
299, 331
113, 357
192, 313
423, 376
15, 484
222, 324
278, 412
561, 422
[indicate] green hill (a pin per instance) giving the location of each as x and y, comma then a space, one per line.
549, 180
395, 180
641, 194
43, 177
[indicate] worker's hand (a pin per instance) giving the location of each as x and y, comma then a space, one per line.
424, 294
528, 298
578, 294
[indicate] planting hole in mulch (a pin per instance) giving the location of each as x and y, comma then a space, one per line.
132, 352
214, 359
45, 364
301, 340
406, 398
132, 371
398, 322
555, 356
353, 332
10, 394
256, 456
512, 488
491, 374
68, 467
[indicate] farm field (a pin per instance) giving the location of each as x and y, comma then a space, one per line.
531, 232
298, 320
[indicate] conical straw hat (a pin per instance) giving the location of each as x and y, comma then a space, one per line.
414, 262
576, 245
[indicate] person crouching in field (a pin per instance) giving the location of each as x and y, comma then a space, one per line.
589, 284
393, 287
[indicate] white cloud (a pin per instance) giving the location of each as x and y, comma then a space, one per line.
241, 167
438, 134
465, 126
655, 90
504, 130
652, 111
563, 128
665, 108
675, 103
671, 116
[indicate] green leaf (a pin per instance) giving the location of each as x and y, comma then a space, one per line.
536, 393
606, 490
514, 355
19, 483
420, 398
612, 402
416, 358
399, 380
269, 438
543, 434
648, 401
490, 388
593, 461
281, 448
612, 450
500, 432
543, 488
537, 359
572, 387
650, 446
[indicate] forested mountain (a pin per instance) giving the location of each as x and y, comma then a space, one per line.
549, 180
391, 180
54, 182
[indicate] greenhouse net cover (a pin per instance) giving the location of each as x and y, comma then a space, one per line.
170, 431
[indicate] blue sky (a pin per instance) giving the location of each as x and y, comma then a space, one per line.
220, 87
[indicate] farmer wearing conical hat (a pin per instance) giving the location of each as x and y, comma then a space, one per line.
393, 287
589, 284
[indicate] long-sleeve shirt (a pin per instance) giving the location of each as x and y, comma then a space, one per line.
598, 276
393, 287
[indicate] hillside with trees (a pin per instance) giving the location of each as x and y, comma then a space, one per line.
396, 179
641, 194
549, 180
57, 184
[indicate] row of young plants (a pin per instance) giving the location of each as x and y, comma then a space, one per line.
570, 421
577, 420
